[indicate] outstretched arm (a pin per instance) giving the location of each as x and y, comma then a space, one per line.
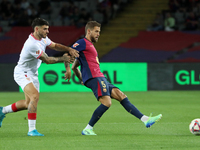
76, 70
62, 48
52, 60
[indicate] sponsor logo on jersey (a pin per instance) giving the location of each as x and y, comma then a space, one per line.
38, 52
75, 45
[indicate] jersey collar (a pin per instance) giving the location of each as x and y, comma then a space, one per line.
34, 37
88, 40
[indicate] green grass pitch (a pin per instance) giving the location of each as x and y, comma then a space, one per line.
62, 116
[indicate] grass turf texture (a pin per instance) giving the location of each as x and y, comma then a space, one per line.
62, 116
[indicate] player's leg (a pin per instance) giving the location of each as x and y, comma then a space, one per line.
32, 96
100, 110
17, 106
124, 101
101, 92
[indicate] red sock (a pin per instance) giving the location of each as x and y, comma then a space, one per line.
32, 116
14, 108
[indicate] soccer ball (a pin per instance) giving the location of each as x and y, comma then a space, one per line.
194, 126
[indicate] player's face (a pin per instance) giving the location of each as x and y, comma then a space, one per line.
94, 34
43, 31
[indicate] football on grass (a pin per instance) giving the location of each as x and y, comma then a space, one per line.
195, 126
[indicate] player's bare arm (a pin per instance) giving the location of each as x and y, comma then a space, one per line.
62, 48
76, 70
68, 71
52, 60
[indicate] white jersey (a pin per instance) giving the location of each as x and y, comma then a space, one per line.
32, 50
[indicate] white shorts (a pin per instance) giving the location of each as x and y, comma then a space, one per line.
23, 78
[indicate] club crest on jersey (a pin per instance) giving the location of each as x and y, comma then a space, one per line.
45, 41
38, 52
75, 45
104, 90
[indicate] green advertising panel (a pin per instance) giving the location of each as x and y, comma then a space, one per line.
126, 76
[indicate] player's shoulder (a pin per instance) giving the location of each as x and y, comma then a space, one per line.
30, 44
80, 42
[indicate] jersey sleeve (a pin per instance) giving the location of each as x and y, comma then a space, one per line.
48, 41
79, 45
35, 51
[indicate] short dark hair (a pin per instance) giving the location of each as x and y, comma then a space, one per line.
91, 25
39, 22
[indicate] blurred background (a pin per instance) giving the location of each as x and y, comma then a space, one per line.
160, 37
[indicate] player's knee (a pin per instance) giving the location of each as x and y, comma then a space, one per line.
123, 97
108, 104
105, 100
118, 95
35, 97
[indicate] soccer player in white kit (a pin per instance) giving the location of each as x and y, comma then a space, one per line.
26, 71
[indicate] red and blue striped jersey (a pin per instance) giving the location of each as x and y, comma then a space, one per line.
88, 59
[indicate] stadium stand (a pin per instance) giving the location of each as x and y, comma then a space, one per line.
123, 29
157, 47
181, 45
13, 35
136, 16
11, 42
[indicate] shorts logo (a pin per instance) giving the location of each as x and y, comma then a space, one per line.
50, 77
28, 79
104, 90
75, 45
104, 86
38, 52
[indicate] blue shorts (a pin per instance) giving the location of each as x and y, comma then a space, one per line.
100, 86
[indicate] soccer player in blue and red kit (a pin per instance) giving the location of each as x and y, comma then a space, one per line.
93, 78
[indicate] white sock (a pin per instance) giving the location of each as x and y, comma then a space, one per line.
31, 125
88, 127
7, 109
144, 118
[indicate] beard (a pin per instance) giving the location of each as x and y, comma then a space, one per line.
93, 39
42, 35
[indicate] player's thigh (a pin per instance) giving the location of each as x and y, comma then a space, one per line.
105, 100
31, 93
24, 78
99, 86
27, 98
117, 94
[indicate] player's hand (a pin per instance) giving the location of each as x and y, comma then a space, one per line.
73, 52
68, 75
67, 58
72, 59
